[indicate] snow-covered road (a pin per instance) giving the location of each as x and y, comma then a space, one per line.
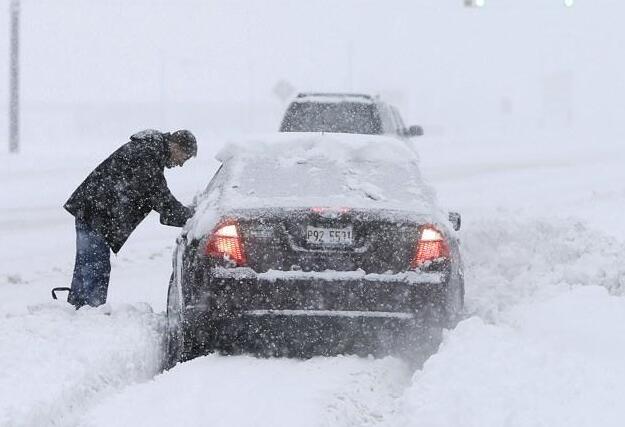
543, 342
244, 391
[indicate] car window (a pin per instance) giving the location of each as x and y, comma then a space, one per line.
215, 180
341, 117
276, 182
386, 118
398, 120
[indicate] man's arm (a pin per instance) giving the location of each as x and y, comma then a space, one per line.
171, 210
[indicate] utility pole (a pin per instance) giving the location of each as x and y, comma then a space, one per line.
14, 70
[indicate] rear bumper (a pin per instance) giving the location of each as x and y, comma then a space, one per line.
240, 292
303, 336
312, 313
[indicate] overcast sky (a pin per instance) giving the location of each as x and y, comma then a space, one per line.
533, 63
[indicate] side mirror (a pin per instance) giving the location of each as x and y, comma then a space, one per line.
413, 131
455, 219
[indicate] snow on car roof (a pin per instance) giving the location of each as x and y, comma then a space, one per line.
333, 98
298, 170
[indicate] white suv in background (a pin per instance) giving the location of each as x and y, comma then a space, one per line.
345, 113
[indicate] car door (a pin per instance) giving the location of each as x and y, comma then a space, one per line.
386, 117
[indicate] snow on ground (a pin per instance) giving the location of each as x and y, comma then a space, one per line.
543, 342
244, 391
556, 361
513, 261
57, 361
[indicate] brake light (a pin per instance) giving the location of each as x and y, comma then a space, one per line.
225, 242
431, 246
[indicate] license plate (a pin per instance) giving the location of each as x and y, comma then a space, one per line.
329, 236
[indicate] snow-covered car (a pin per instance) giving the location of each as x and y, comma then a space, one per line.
309, 244
345, 113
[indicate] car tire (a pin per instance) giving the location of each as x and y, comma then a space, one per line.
177, 342
418, 343
454, 305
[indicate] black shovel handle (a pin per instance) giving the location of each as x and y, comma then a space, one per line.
55, 290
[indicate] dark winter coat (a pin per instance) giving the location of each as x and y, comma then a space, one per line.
125, 187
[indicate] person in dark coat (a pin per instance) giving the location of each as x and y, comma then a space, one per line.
116, 197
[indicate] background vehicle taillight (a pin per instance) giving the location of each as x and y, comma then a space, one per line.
431, 246
225, 242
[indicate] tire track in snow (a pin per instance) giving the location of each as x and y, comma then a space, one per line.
246, 391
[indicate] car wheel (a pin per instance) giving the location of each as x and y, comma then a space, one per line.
418, 343
455, 304
176, 347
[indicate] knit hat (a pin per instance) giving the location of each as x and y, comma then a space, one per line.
185, 140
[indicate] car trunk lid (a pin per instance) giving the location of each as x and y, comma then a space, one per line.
320, 239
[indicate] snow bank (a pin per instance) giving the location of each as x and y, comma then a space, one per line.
557, 362
513, 259
548, 345
245, 391
55, 360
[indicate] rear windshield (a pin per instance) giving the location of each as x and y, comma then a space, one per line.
340, 117
274, 182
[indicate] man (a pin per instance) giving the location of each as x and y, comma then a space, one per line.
116, 197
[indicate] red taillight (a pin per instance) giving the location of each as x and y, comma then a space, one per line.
225, 242
431, 246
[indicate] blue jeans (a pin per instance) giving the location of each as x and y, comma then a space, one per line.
92, 268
